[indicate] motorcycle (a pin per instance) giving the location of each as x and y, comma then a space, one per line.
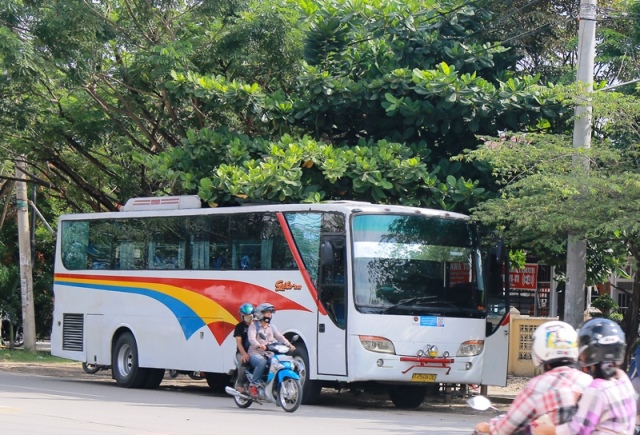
94, 368
482, 403
196, 376
6, 327
281, 382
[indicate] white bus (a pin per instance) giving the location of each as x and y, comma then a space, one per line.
379, 295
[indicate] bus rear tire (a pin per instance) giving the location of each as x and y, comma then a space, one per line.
124, 363
154, 379
406, 397
310, 389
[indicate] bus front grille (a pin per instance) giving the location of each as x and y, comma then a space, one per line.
72, 332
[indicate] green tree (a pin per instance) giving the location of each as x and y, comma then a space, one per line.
542, 199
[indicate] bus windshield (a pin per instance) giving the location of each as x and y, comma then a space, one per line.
416, 265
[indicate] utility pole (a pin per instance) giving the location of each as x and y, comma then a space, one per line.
26, 268
576, 245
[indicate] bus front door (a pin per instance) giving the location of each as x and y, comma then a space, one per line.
496, 347
332, 350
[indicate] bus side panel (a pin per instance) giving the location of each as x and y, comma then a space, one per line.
496, 355
167, 339
98, 347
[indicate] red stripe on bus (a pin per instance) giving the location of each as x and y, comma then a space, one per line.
506, 319
296, 255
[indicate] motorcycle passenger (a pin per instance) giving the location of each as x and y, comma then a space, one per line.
608, 404
242, 339
258, 355
553, 393
634, 375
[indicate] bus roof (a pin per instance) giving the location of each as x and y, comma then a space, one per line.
190, 205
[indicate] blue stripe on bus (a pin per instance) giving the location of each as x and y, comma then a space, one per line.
189, 321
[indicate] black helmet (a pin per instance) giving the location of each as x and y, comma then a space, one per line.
601, 341
262, 308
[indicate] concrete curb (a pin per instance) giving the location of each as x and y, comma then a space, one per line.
501, 399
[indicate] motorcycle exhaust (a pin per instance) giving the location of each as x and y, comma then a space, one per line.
236, 393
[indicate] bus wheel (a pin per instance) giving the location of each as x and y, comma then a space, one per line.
154, 378
407, 397
310, 389
217, 381
124, 363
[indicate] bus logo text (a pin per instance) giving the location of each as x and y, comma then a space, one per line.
286, 285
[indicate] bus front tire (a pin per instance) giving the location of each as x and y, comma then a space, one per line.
310, 389
124, 363
406, 397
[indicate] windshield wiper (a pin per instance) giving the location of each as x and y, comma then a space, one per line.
412, 302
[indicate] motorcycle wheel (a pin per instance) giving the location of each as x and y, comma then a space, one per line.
240, 402
290, 394
19, 338
90, 368
196, 376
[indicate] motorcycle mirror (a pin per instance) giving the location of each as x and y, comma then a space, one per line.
294, 338
261, 335
479, 403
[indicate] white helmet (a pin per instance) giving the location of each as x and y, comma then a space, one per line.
554, 341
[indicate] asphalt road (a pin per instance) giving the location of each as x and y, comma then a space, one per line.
33, 404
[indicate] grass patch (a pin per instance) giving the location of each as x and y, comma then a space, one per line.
20, 355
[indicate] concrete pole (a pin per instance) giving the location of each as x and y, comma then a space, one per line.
576, 246
553, 295
26, 267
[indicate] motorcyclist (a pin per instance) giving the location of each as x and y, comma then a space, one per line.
258, 355
634, 375
553, 393
608, 404
242, 339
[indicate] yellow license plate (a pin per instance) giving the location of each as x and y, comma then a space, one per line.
423, 377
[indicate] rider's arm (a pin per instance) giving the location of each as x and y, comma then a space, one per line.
278, 336
590, 409
544, 430
252, 335
281, 338
240, 346
521, 411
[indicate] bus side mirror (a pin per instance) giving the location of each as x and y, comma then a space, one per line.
498, 251
326, 254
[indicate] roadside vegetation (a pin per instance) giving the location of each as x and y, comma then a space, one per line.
23, 356
457, 105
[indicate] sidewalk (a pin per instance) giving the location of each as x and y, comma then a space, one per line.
43, 346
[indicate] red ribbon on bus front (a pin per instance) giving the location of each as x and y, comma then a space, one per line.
428, 362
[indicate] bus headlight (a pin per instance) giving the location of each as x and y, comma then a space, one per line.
471, 348
376, 344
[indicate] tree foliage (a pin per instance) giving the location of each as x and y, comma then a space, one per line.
118, 99
543, 198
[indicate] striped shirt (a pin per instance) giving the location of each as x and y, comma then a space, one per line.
554, 393
606, 407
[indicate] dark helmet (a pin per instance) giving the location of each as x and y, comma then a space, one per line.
246, 309
262, 308
601, 341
